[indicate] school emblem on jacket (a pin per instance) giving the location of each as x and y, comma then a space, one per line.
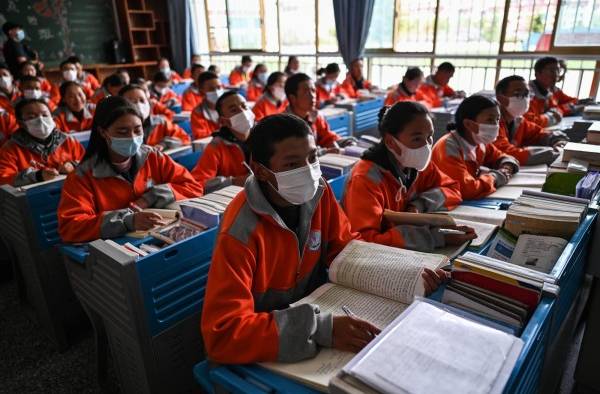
314, 240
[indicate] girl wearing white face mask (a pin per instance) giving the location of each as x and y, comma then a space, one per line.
205, 119
328, 88
398, 175
8, 91
38, 151
74, 113
69, 74
257, 84
273, 100
161, 92
159, 132
468, 155
524, 140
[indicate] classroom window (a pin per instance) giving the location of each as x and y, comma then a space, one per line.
415, 23
270, 26
218, 34
382, 25
326, 31
199, 37
578, 23
297, 26
244, 24
529, 25
388, 71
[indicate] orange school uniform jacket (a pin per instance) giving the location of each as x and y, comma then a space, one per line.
6, 102
90, 80
159, 130
187, 73
8, 125
259, 267
221, 160
22, 157
349, 86
66, 121
95, 198
547, 107
372, 189
169, 99
175, 77
463, 162
433, 93
268, 105
191, 98
402, 94
204, 121
161, 109
528, 142
324, 137
255, 90
99, 95
238, 76
326, 92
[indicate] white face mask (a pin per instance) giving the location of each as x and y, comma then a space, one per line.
242, 122
517, 106
278, 93
487, 133
166, 71
32, 93
69, 75
412, 158
6, 82
143, 108
40, 127
161, 91
262, 78
212, 97
299, 185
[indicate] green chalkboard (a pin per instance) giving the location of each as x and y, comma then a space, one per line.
59, 28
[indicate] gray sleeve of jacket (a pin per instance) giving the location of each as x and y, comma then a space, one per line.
430, 201
116, 223
159, 196
499, 178
541, 155
421, 238
25, 177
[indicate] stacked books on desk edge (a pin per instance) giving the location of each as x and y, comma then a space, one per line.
334, 165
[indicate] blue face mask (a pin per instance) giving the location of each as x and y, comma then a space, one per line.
20, 35
126, 147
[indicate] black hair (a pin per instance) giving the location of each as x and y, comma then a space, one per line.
292, 83
291, 59
393, 119
274, 77
195, 66
542, 62
28, 78
64, 87
65, 62
272, 130
331, 68
446, 66
74, 59
469, 109
358, 59
160, 77
131, 86
3, 65
413, 73
503, 84
138, 81
259, 65
113, 80
25, 102
24, 63
8, 26
108, 110
246, 59
205, 76
163, 58
222, 98
212, 68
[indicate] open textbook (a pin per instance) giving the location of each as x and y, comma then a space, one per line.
377, 283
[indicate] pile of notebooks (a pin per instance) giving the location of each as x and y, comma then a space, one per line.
334, 165
129, 249
593, 134
591, 112
206, 211
586, 152
543, 213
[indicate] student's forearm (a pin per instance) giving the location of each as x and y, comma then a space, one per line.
116, 223
540, 155
420, 238
430, 200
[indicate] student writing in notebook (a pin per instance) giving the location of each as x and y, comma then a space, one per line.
74, 113
204, 118
275, 242
222, 162
467, 153
273, 100
117, 176
397, 174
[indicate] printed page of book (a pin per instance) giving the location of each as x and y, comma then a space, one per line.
509, 192
484, 231
538, 252
476, 214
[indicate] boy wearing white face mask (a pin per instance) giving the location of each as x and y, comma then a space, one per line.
162, 92
468, 155
276, 240
38, 151
165, 67
526, 141
222, 162
159, 132
31, 88
257, 84
205, 119
397, 174
273, 100
8, 90
68, 70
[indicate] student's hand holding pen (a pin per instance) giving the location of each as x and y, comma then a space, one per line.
146, 220
457, 235
49, 173
351, 334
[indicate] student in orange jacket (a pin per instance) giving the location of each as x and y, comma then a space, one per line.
355, 80
160, 109
8, 90
117, 177
110, 87
276, 240
435, 89
397, 174
408, 88
204, 118
192, 98
31, 88
8, 125
160, 90
518, 137
240, 76
84, 78
188, 73
328, 88
222, 162
38, 151
292, 67
69, 72
273, 100
256, 85
29, 68
74, 113
549, 103
468, 154
301, 94
159, 132
164, 66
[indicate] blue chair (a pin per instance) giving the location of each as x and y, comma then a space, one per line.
179, 88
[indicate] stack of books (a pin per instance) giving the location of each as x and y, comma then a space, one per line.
334, 165
591, 112
586, 152
207, 211
593, 134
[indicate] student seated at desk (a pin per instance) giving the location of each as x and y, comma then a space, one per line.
8, 89
161, 91
408, 88
397, 174
240, 76
435, 89
467, 153
38, 151
293, 66
110, 87
124, 74
213, 68
204, 118
549, 103
518, 137
74, 113
276, 240
256, 86
328, 88
164, 66
28, 68
273, 100
69, 73
222, 162
192, 98
355, 80
301, 94
188, 73
8, 125
31, 88
159, 132
117, 176
83, 77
